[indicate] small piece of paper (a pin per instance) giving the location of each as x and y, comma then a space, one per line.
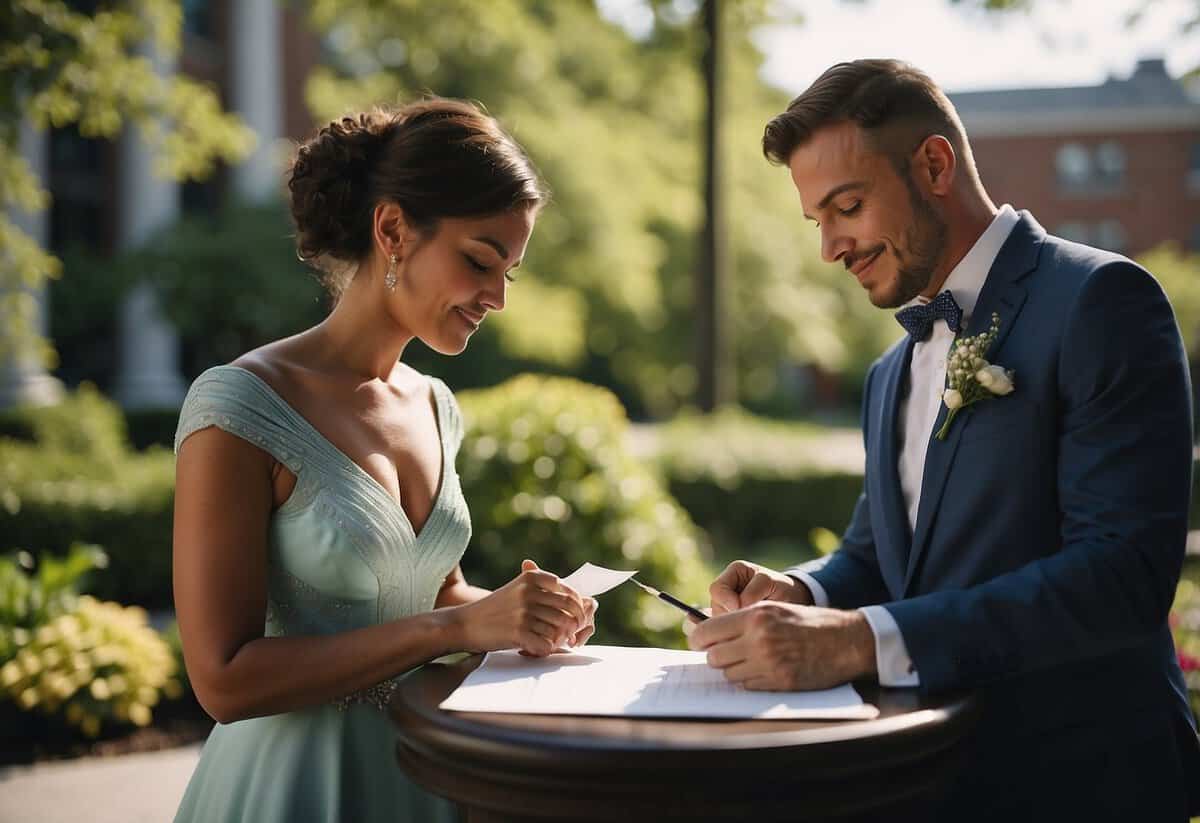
590, 580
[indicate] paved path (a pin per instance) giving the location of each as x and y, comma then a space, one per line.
132, 788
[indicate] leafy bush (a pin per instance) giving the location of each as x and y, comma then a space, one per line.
1185, 626
547, 475
152, 427
753, 483
79, 481
228, 281
87, 662
174, 641
85, 424
29, 600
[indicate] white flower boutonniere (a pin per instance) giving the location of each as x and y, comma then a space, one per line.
970, 377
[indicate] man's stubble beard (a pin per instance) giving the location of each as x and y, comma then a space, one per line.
925, 240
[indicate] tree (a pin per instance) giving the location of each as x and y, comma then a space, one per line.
1179, 274
614, 122
60, 66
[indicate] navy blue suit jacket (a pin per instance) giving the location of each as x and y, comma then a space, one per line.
1048, 543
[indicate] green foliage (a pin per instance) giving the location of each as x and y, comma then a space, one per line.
58, 67
95, 663
53, 499
547, 476
764, 490
30, 598
1179, 274
79, 481
174, 641
151, 427
228, 281
90, 662
85, 424
1185, 626
614, 123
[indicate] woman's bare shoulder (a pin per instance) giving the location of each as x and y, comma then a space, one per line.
280, 364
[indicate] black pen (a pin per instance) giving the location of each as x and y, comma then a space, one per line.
666, 598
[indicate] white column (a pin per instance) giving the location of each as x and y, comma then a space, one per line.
257, 93
23, 380
148, 372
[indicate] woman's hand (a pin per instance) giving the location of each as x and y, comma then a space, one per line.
534, 612
589, 627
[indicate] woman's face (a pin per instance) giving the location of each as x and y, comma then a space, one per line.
451, 278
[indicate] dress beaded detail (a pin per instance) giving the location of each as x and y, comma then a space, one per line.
342, 555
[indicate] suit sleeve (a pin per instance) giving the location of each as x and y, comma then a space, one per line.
850, 576
1124, 483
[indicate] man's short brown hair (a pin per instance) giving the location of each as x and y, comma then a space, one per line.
895, 104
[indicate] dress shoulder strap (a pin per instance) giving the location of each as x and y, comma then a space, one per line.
239, 402
449, 414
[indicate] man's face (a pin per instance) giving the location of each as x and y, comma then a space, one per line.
877, 222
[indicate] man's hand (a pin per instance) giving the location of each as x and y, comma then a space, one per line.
744, 583
785, 647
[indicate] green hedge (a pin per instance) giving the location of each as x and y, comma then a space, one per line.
547, 474
52, 499
152, 427
72, 477
764, 490
85, 424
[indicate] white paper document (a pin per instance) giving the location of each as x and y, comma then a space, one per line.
636, 682
591, 580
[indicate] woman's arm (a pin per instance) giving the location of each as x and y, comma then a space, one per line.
223, 501
456, 590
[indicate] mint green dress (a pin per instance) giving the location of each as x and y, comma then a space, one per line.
342, 555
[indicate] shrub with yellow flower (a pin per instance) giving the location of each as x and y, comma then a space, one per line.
92, 663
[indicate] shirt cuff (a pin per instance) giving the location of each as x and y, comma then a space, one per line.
891, 654
820, 598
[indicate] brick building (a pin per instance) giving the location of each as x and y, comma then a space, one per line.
1115, 165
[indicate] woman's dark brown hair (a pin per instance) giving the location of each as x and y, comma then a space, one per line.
436, 158
896, 105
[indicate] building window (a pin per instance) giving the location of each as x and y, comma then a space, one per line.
79, 173
1110, 235
1110, 164
1074, 166
1072, 230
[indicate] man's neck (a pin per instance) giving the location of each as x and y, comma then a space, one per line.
966, 221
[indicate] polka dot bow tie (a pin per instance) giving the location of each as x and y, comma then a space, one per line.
918, 320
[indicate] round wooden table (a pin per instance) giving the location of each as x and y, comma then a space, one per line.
510, 767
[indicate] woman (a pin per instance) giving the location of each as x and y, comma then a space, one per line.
319, 520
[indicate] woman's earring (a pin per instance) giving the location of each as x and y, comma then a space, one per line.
389, 279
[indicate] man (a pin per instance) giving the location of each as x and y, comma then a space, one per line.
1033, 553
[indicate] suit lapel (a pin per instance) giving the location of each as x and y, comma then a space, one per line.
896, 537
1003, 294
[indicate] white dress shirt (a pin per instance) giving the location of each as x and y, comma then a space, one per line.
916, 413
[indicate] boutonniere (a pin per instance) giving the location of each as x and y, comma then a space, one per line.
970, 377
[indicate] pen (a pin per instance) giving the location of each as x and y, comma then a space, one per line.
666, 598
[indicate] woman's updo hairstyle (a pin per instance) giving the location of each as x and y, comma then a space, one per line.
436, 158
